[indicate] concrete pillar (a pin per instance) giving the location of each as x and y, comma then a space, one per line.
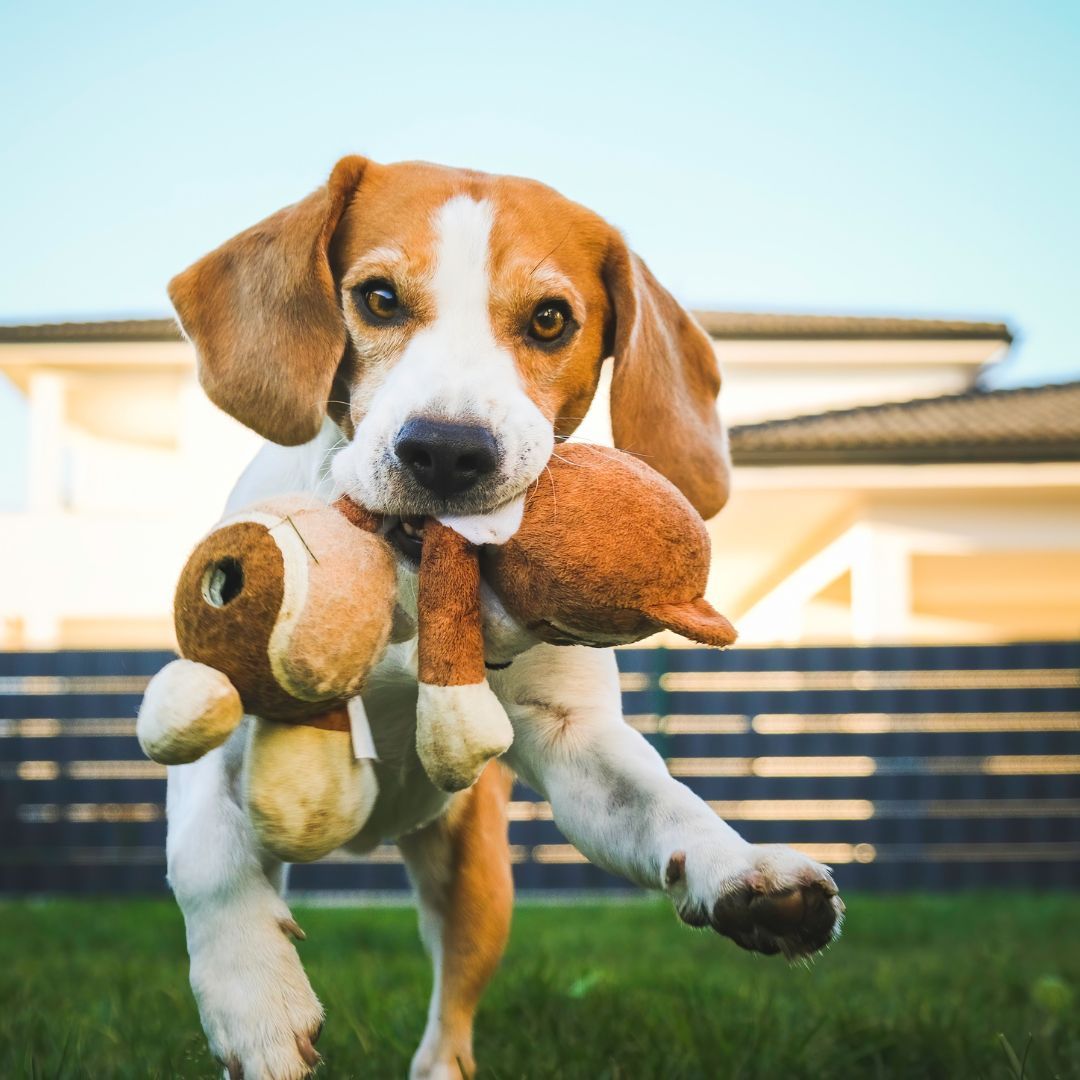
881, 590
46, 495
45, 460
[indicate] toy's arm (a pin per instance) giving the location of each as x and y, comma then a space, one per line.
187, 710
451, 643
460, 723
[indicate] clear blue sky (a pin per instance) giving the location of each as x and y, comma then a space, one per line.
916, 158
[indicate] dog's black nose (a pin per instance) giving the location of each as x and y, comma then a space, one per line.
446, 458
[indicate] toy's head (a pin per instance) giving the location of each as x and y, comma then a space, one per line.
608, 552
291, 601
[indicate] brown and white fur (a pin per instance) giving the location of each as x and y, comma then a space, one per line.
285, 345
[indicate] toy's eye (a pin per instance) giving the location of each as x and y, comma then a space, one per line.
222, 582
549, 321
378, 298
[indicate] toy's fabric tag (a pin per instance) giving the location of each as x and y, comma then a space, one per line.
362, 742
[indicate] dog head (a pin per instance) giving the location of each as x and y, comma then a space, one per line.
453, 324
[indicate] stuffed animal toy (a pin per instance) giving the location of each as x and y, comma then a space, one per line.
282, 611
608, 552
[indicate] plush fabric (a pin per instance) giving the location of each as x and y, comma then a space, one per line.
358, 515
187, 710
345, 621
608, 551
459, 729
451, 645
312, 614
698, 620
304, 790
293, 603
233, 639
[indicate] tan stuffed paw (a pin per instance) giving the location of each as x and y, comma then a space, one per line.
459, 729
187, 710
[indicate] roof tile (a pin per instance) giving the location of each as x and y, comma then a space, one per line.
1040, 423
719, 324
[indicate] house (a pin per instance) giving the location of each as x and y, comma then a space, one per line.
126, 464
953, 518
855, 517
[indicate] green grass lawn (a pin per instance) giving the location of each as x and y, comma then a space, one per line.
917, 987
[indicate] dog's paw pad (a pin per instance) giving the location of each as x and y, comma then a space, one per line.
778, 902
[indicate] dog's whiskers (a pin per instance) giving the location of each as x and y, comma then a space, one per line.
572, 464
554, 499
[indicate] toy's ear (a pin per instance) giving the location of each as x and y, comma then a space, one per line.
664, 384
263, 314
697, 620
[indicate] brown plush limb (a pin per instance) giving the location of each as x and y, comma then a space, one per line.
358, 515
451, 642
460, 724
697, 620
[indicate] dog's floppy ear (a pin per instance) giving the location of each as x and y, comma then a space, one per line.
263, 314
664, 384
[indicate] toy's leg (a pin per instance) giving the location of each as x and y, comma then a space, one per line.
612, 796
460, 725
306, 793
460, 866
259, 1012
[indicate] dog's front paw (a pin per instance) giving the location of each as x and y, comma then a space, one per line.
767, 898
258, 1010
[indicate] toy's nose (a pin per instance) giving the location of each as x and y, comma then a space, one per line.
447, 459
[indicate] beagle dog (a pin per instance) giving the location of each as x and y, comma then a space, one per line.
421, 338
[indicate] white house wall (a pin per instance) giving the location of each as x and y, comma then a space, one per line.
927, 553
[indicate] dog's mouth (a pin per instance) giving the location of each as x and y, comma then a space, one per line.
497, 526
407, 536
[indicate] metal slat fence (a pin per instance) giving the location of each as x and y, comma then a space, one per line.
926, 767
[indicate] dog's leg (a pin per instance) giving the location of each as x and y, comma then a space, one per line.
259, 1012
612, 795
460, 866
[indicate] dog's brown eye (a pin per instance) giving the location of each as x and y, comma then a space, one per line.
549, 321
380, 299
